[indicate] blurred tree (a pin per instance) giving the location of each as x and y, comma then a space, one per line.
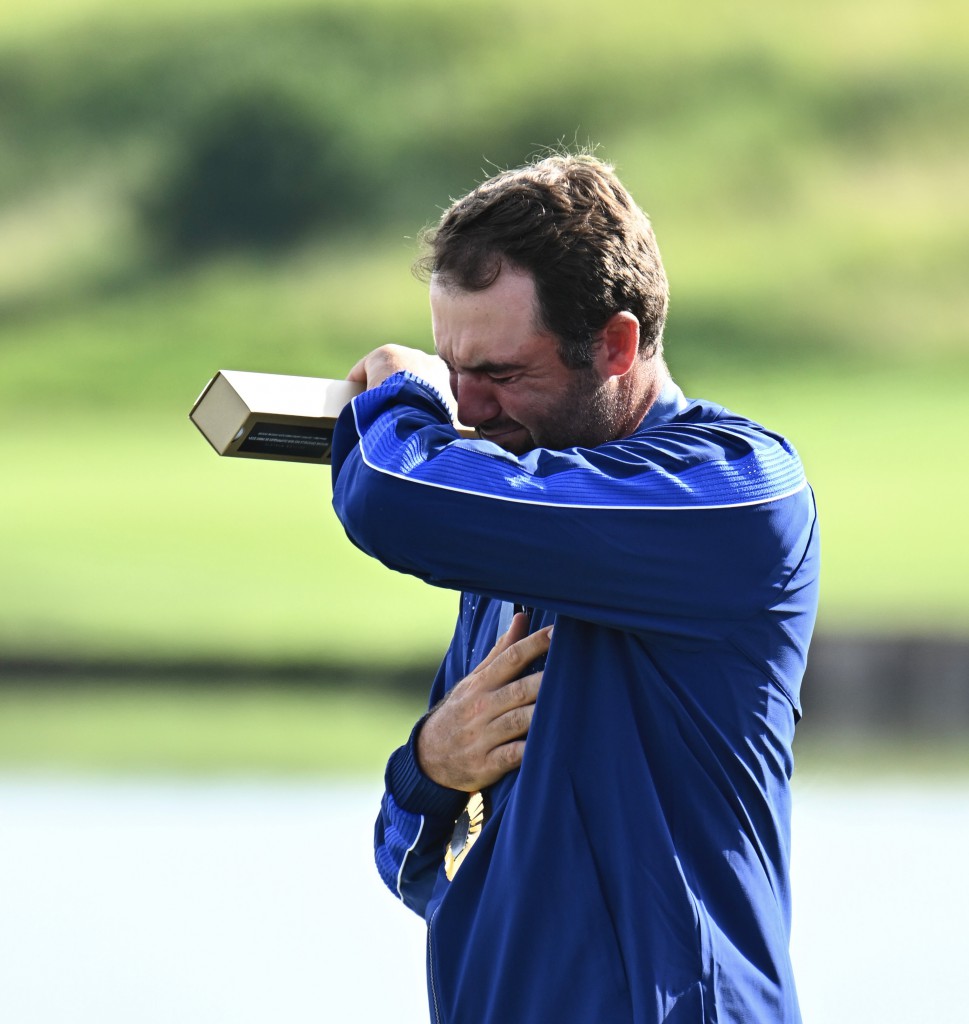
255, 170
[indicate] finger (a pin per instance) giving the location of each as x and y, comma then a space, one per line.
518, 630
376, 366
511, 662
512, 725
517, 693
359, 371
504, 759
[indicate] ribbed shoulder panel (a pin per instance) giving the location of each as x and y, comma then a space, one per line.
703, 458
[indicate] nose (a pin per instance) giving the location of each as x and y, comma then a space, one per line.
476, 399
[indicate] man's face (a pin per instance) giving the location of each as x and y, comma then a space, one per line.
507, 375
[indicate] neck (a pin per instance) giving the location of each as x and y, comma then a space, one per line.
642, 386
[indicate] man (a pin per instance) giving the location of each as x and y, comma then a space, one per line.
627, 859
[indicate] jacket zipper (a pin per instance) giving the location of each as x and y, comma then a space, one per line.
430, 969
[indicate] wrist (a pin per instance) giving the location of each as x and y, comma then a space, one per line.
413, 790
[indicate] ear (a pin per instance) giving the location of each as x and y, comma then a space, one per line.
618, 346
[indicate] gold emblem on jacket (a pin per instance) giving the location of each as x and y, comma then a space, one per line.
466, 830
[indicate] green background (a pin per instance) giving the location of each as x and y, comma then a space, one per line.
805, 171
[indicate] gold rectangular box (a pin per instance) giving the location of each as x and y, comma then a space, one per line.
273, 415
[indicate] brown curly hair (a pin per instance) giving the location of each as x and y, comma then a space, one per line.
570, 223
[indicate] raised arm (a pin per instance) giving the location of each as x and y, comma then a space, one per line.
682, 528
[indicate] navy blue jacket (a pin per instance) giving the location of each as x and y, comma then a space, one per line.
636, 867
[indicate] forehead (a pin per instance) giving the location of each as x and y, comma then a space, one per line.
494, 324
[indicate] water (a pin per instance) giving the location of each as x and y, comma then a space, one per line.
881, 903
136, 902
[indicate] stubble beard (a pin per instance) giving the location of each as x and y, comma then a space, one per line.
588, 415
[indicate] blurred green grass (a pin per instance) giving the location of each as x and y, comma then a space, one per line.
197, 730
128, 535
134, 539
805, 175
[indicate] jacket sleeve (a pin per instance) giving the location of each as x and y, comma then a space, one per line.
416, 819
685, 528
415, 823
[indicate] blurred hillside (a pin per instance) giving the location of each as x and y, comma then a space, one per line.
240, 184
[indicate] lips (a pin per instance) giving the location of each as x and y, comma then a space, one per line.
505, 436
495, 432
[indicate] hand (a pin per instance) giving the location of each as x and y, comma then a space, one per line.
477, 733
385, 361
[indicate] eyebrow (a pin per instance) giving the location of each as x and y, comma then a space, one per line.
496, 369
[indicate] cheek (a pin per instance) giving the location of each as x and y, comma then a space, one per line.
534, 402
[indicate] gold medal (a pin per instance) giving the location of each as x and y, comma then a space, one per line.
466, 830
